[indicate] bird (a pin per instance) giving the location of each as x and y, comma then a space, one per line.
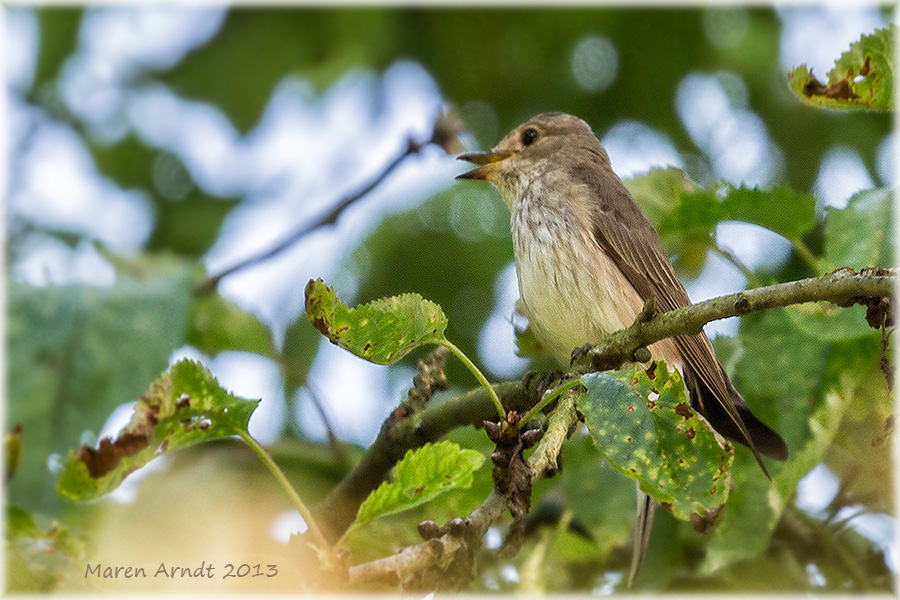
587, 258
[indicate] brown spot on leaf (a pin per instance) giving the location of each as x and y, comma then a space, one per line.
651, 404
706, 522
183, 401
108, 454
682, 410
690, 433
866, 66
322, 325
630, 409
651, 371
837, 90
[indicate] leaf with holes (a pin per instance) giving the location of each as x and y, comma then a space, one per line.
184, 407
644, 424
423, 474
863, 76
382, 331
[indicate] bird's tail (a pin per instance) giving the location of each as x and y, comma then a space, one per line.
646, 508
765, 439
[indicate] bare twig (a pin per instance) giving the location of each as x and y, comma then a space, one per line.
330, 218
445, 134
316, 398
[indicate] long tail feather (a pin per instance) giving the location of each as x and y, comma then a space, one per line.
646, 508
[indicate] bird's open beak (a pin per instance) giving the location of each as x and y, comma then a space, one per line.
485, 160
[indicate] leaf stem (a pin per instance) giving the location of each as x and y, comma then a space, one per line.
288, 488
750, 276
548, 398
806, 254
478, 374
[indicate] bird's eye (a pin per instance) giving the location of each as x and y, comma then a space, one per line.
529, 136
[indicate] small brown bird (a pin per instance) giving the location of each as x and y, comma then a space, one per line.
587, 257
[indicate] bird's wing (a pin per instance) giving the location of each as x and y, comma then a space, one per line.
625, 233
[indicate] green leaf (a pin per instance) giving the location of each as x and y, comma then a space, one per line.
756, 504
856, 236
862, 78
301, 342
382, 331
645, 426
217, 325
677, 206
421, 475
860, 234
686, 216
185, 406
782, 210
77, 352
659, 191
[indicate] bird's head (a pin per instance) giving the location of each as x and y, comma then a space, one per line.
545, 142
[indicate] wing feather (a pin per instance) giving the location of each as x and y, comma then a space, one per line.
625, 233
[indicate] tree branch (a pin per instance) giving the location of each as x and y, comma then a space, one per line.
843, 287
400, 433
459, 545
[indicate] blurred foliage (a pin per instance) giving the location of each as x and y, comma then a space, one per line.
76, 352
41, 556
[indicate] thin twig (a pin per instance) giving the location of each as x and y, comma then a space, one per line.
330, 218
333, 441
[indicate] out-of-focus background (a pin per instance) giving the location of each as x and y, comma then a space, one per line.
148, 146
